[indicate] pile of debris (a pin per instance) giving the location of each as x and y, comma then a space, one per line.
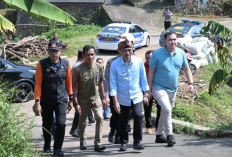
33, 47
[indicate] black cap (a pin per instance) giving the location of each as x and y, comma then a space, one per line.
54, 45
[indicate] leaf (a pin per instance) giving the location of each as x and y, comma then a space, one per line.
220, 77
6, 25
42, 10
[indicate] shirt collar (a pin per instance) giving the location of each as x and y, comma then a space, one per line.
87, 66
166, 51
122, 61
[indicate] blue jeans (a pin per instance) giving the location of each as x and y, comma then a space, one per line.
106, 111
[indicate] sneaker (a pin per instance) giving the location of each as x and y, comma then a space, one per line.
74, 133
170, 140
148, 130
123, 147
111, 136
138, 146
106, 118
160, 139
91, 121
58, 152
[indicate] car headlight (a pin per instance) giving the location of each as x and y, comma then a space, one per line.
32, 71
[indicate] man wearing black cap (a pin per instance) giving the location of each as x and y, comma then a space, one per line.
129, 89
53, 83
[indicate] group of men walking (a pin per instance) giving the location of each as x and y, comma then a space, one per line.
128, 85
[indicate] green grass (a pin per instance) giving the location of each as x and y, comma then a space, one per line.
211, 111
75, 36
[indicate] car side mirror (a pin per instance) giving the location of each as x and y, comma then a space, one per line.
144, 30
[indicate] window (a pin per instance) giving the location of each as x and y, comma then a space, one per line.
181, 29
9, 66
114, 29
138, 29
132, 29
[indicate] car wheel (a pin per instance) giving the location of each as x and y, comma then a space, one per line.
147, 41
193, 68
23, 92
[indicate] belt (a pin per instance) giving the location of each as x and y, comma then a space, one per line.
167, 20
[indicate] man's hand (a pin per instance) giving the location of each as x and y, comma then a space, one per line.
104, 103
117, 108
145, 101
150, 95
78, 109
191, 88
107, 102
37, 109
69, 107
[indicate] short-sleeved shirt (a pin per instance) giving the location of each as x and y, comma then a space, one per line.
87, 79
167, 68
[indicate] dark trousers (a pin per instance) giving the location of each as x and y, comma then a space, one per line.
123, 122
157, 114
47, 118
76, 119
167, 24
114, 117
147, 113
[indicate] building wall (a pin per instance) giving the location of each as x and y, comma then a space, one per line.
193, 6
108, 2
83, 15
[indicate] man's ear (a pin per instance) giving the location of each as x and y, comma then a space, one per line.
61, 51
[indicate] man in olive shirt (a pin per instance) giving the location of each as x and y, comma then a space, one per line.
89, 77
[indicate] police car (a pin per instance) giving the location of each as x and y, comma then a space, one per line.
117, 31
188, 27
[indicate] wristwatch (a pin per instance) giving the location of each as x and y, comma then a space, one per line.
146, 96
75, 104
191, 84
71, 97
37, 100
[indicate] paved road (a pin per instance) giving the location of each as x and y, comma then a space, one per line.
186, 146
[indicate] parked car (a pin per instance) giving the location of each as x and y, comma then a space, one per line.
21, 77
188, 27
117, 31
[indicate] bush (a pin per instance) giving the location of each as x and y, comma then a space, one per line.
15, 127
183, 112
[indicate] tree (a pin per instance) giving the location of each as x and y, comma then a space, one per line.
221, 76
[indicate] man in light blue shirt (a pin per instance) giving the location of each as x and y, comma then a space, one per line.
127, 83
165, 65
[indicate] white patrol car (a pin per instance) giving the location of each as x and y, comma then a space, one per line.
117, 31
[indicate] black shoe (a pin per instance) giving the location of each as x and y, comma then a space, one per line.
106, 118
91, 121
128, 128
111, 137
99, 148
74, 133
160, 139
47, 150
138, 146
83, 145
58, 152
170, 140
123, 147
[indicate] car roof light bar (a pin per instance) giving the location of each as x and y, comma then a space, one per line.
129, 22
190, 21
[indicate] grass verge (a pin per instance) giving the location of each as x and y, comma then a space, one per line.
75, 36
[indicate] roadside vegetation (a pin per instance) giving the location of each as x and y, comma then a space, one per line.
15, 127
75, 36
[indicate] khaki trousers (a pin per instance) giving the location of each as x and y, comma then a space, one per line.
98, 115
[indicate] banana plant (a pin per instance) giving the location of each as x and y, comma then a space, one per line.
222, 76
42, 9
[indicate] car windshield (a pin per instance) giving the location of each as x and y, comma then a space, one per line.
114, 29
181, 29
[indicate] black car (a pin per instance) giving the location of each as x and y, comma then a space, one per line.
21, 77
